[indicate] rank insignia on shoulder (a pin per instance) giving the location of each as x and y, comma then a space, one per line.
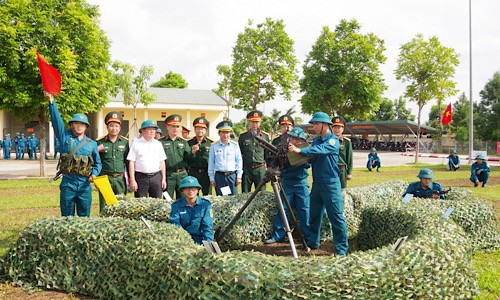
331, 142
122, 137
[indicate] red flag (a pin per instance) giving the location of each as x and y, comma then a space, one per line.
447, 115
51, 80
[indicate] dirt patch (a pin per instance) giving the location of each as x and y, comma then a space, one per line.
11, 292
466, 182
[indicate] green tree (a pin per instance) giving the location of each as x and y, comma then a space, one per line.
461, 116
223, 86
428, 67
263, 65
341, 73
402, 113
488, 124
68, 36
385, 112
133, 87
171, 80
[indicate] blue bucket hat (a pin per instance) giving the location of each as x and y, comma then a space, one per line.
425, 173
480, 156
320, 117
189, 181
297, 132
148, 124
79, 118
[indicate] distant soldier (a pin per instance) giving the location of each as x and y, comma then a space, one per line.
225, 161
345, 152
185, 133
198, 159
44, 148
113, 150
254, 156
21, 144
1, 144
177, 151
425, 188
373, 160
16, 148
479, 171
32, 146
286, 124
6, 145
158, 134
80, 162
453, 160
57, 148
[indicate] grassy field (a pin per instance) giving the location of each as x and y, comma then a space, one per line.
22, 201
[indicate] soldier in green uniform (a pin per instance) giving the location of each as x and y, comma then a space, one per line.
113, 150
177, 151
254, 166
345, 152
286, 125
198, 159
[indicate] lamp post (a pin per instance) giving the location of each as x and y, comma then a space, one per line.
471, 108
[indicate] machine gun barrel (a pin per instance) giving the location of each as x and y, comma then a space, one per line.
268, 146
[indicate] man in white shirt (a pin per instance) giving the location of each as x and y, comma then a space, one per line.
147, 163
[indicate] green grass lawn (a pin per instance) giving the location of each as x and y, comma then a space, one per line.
22, 201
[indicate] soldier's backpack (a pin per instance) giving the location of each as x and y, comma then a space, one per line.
71, 163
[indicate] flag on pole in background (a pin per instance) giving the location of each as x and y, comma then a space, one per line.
51, 80
447, 115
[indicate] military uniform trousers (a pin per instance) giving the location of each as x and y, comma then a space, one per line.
75, 192
343, 176
328, 196
174, 178
252, 175
297, 193
482, 177
223, 179
6, 153
202, 175
118, 184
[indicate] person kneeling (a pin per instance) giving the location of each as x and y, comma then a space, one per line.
479, 171
425, 188
192, 212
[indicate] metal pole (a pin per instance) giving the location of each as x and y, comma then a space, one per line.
471, 108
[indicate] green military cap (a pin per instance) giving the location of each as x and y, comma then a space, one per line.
173, 120
286, 119
254, 115
297, 132
338, 121
113, 116
321, 117
79, 118
425, 173
200, 121
189, 181
148, 124
225, 126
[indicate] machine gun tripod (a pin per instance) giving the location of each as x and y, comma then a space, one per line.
272, 176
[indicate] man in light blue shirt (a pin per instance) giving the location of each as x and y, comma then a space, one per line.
225, 161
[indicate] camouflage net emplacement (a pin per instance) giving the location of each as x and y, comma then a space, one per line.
120, 258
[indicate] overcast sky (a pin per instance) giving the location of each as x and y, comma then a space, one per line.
193, 37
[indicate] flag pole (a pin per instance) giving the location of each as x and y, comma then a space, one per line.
471, 107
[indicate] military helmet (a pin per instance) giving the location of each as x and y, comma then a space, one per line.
297, 132
158, 130
321, 117
189, 181
254, 115
453, 151
173, 120
200, 122
425, 173
113, 116
78, 117
338, 121
373, 149
148, 124
480, 156
8, 134
225, 126
33, 134
22, 133
286, 119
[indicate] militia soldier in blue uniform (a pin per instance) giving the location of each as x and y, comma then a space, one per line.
254, 155
177, 151
21, 144
479, 171
200, 150
7, 145
32, 146
80, 162
373, 160
296, 188
113, 150
425, 188
57, 148
16, 148
453, 161
158, 134
225, 161
345, 152
326, 191
192, 212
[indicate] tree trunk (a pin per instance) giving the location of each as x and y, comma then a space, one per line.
417, 146
43, 120
439, 129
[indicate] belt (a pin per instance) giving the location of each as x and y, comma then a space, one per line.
112, 174
342, 167
172, 170
255, 166
198, 169
226, 173
148, 174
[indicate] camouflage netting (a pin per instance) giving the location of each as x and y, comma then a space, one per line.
117, 258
